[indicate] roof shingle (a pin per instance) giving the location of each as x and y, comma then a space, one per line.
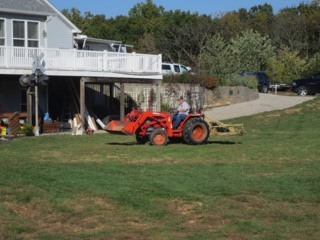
26, 5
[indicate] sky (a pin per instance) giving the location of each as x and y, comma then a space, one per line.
122, 7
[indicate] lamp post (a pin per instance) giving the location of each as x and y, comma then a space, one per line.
35, 79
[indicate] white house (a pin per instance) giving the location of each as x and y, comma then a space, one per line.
82, 70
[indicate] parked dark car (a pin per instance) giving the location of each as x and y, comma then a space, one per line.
307, 86
261, 77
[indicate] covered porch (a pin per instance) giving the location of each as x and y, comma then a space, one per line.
82, 68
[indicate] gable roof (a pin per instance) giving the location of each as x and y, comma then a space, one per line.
35, 7
26, 6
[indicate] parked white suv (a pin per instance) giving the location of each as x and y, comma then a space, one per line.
174, 68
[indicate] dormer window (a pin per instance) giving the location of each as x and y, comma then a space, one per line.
25, 33
2, 33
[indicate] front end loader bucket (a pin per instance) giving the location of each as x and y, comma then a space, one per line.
120, 127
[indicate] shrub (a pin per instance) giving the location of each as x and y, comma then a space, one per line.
237, 80
209, 81
27, 129
179, 78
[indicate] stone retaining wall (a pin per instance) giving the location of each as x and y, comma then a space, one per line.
229, 95
219, 96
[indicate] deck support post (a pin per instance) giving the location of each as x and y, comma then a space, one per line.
36, 109
111, 103
122, 103
82, 102
29, 105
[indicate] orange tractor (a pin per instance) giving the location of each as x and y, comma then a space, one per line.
156, 128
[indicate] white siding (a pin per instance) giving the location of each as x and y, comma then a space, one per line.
55, 35
58, 34
10, 17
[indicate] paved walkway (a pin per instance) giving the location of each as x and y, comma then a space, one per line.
265, 103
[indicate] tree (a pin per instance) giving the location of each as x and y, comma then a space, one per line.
217, 58
252, 51
185, 35
95, 25
290, 30
147, 17
120, 29
261, 18
313, 65
287, 66
311, 14
148, 14
230, 25
147, 44
74, 15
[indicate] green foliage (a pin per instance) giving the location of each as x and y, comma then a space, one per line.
145, 25
286, 67
207, 81
184, 36
217, 58
178, 78
147, 16
74, 15
252, 50
290, 30
313, 65
237, 80
299, 27
27, 129
230, 25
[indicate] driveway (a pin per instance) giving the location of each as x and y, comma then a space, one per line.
265, 103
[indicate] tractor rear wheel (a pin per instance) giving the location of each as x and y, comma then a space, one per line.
195, 131
158, 137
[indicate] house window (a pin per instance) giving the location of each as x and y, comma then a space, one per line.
25, 33
33, 34
2, 33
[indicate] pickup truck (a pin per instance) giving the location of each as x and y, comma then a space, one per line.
174, 68
307, 86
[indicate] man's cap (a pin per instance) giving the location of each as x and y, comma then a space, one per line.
180, 98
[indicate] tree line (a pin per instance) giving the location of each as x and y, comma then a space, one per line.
286, 45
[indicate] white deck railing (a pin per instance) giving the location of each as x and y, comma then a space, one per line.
79, 60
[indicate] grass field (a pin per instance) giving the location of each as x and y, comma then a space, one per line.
263, 185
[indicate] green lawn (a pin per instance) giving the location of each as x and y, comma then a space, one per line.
263, 185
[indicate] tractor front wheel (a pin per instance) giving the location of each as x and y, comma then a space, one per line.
158, 137
195, 131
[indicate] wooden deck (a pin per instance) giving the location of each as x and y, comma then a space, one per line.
72, 62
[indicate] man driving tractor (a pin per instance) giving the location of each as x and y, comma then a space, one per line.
180, 113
